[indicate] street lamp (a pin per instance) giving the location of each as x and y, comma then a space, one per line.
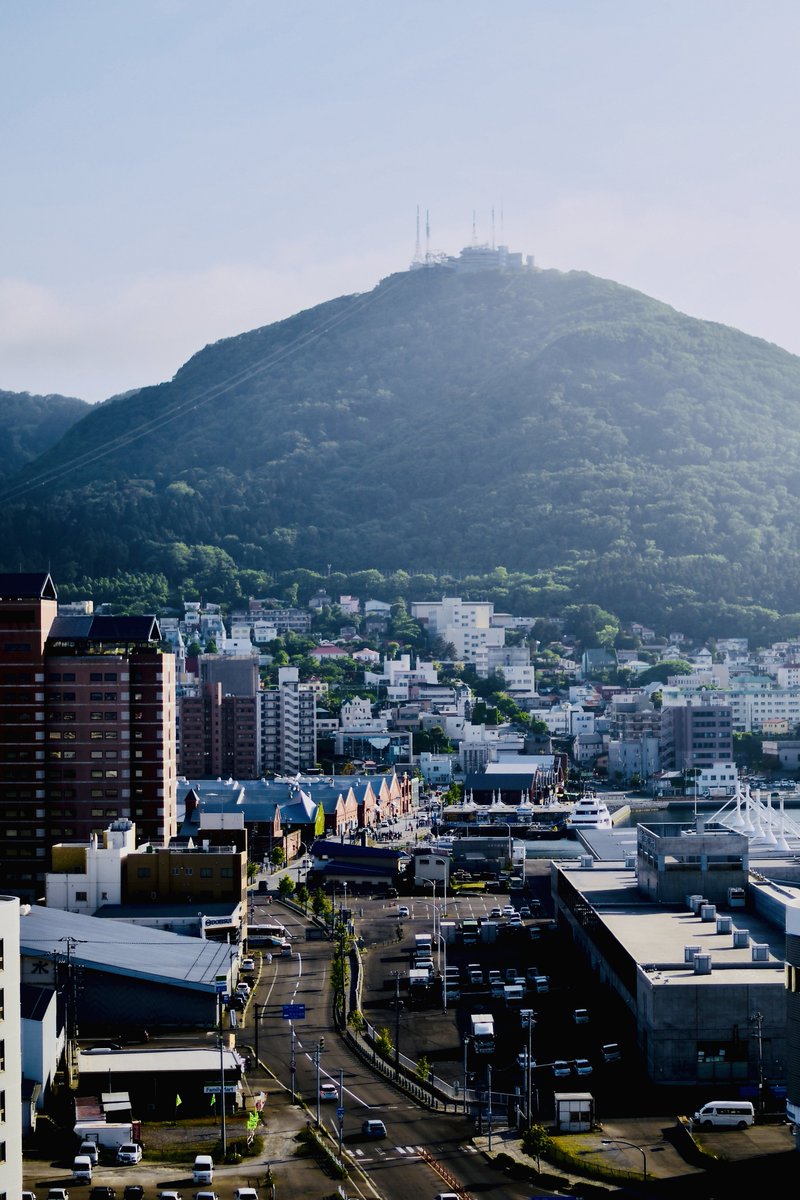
633, 1146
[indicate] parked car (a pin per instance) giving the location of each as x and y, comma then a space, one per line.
403, 911
57, 1194
583, 1066
496, 913
248, 964
129, 1153
206, 1196
374, 1129
28, 1196
328, 1091
134, 1191
102, 1193
245, 1194
525, 911
509, 910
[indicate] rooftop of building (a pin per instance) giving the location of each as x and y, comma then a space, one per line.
106, 629
127, 950
27, 585
655, 937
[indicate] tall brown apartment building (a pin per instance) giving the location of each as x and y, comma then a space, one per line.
87, 728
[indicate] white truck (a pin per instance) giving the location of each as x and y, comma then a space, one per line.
106, 1134
482, 1032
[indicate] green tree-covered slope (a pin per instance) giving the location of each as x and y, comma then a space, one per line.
29, 425
550, 422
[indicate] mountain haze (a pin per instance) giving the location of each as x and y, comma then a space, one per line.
558, 424
30, 424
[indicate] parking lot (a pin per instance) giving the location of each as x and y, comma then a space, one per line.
573, 1018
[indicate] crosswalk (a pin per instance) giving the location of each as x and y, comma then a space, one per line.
405, 1152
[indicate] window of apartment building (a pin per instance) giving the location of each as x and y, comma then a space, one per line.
95, 715
96, 677
95, 695
97, 794
142, 872
97, 754
109, 716
109, 696
175, 871
81, 896
206, 873
2, 1055
2, 1106
226, 873
110, 735
68, 677
2, 1004
112, 812
97, 812
110, 677
112, 774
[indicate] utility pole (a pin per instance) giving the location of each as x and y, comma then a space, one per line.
222, 1078
317, 1055
758, 1019
466, 1043
340, 1113
489, 1073
396, 1024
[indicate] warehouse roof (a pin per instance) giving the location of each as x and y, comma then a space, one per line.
121, 949
162, 1058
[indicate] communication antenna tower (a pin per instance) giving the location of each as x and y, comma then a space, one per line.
427, 236
417, 248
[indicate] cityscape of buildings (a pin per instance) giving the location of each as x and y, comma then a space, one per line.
145, 763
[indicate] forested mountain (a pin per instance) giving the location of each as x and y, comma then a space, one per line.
29, 425
561, 425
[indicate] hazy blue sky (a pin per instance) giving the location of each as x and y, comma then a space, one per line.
175, 171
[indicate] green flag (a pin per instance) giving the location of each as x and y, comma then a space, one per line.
213, 1099
177, 1100
252, 1120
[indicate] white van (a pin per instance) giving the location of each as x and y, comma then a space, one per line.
730, 1114
203, 1169
82, 1169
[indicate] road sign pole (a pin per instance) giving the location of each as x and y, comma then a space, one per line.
317, 1057
292, 1063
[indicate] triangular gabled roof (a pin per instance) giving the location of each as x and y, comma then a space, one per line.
27, 585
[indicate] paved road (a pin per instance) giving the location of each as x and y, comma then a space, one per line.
393, 1166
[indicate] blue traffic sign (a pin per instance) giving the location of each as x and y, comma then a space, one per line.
293, 1012
340, 1113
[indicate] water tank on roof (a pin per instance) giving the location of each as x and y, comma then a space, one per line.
587, 862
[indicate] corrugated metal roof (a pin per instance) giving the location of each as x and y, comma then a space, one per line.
123, 949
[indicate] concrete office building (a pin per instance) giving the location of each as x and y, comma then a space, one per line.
696, 734
87, 728
692, 978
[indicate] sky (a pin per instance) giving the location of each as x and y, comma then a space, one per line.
180, 171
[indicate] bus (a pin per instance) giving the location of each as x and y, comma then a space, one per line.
270, 936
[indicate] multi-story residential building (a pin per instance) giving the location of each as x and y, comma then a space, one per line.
696, 735
87, 728
466, 624
288, 725
220, 735
632, 715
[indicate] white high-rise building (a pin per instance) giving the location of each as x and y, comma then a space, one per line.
288, 730
10, 1051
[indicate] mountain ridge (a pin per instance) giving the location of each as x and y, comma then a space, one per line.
545, 421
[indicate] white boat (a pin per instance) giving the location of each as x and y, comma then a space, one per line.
590, 812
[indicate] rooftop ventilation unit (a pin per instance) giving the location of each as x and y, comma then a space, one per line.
741, 937
587, 862
760, 951
702, 964
694, 902
630, 862
724, 924
708, 912
689, 953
